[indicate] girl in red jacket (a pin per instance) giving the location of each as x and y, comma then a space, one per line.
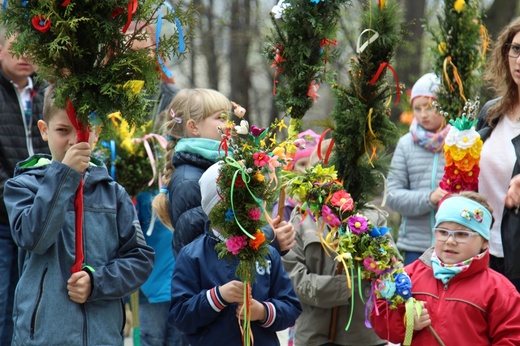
464, 301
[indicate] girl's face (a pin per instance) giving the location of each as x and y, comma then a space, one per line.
208, 128
61, 134
426, 114
514, 63
451, 252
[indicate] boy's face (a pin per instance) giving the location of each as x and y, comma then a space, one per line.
451, 251
17, 70
61, 134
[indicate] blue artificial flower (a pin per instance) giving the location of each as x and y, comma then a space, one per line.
378, 232
403, 285
229, 215
316, 1
387, 289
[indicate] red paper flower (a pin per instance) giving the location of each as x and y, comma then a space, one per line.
343, 200
41, 23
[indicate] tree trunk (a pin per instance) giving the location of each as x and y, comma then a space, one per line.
408, 55
240, 40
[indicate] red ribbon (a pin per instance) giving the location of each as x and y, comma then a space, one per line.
329, 148
378, 74
326, 42
65, 3
224, 144
132, 7
82, 135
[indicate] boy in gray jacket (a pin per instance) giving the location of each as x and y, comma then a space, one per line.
53, 307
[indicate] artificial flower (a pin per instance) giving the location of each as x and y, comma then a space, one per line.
259, 240
278, 9
41, 23
459, 6
255, 214
329, 217
357, 224
386, 288
261, 158
442, 47
343, 200
378, 232
230, 215
371, 265
462, 139
236, 243
257, 131
243, 129
455, 152
467, 163
403, 285
312, 91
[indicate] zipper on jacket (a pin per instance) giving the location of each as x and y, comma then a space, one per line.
38, 301
433, 187
84, 313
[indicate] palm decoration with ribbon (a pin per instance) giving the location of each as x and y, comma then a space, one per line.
84, 50
248, 181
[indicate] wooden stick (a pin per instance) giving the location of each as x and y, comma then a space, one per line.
437, 337
281, 203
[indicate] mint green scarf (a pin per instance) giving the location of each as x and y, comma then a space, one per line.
207, 148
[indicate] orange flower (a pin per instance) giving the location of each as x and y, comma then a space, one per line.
467, 163
259, 240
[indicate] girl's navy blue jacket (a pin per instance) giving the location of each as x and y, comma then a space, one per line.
199, 311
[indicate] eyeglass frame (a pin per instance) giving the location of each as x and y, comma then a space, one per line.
453, 234
509, 46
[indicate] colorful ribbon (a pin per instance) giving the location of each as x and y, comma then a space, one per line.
132, 7
162, 142
82, 134
158, 37
378, 74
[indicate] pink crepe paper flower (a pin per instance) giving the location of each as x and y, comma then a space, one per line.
261, 159
371, 265
255, 214
236, 243
331, 219
343, 200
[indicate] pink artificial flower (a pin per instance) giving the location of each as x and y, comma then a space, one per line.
343, 200
331, 219
261, 159
273, 163
254, 214
236, 243
371, 265
357, 224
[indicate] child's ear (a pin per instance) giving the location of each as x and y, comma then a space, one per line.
485, 245
42, 126
192, 128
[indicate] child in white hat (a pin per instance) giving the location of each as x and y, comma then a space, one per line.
416, 169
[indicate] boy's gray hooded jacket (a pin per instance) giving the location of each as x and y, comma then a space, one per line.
40, 204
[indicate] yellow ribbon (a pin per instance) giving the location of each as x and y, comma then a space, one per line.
456, 75
412, 307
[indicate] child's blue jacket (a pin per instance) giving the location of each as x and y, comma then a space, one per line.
40, 204
210, 321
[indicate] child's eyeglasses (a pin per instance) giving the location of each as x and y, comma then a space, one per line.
514, 50
459, 236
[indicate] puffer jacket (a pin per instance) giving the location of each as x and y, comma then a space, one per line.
414, 173
40, 202
188, 218
18, 140
510, 227
476, 307
320, 288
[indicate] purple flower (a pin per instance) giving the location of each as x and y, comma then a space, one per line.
357, 224
256, 131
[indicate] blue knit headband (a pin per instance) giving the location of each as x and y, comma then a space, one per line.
466, 212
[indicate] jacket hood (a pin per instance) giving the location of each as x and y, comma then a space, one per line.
37, 165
